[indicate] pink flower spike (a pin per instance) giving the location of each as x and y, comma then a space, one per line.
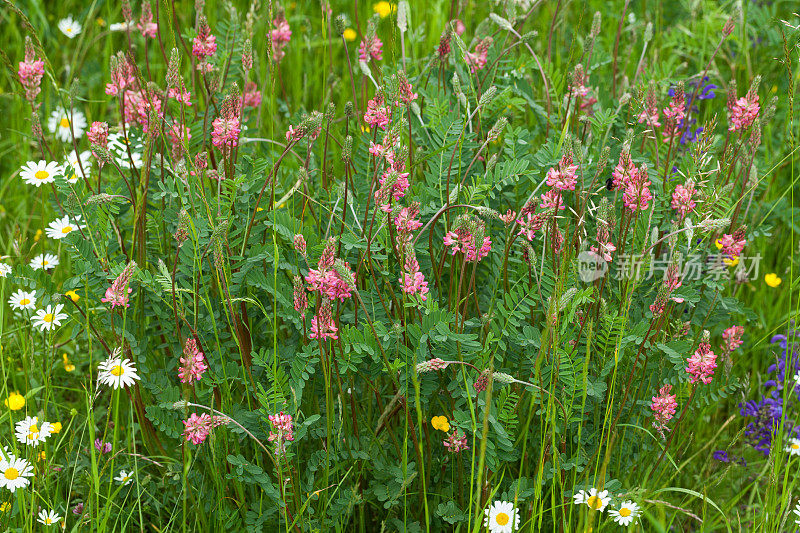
193, 362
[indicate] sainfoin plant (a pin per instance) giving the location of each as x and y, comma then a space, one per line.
488, 283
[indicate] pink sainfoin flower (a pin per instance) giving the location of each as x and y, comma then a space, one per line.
477, 60
465, 238
578, 87
414, 283
117, 293
508, 217
682, 201
407, 94
227, 127
325, 279
663, 406
733, 338
650, 115
637, 193
193, 363
322, 324
283, 431
459, 27
733, 245
443, 50
102, 447
329, 283
30, 72
182, 96
624, 172
674, 114
122, 75
532, 222
743, 111
198, 428
139, 105
299, 295
204, 44
176, 136
406, 223
299, 244
563, 179
370, 47
552, 199
98, 136
455, 441
702, 364
604, 250
280, 36
146, 24
377, 114
251, 96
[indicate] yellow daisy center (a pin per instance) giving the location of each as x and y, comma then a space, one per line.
41, 175
11, 473
24, 301
34, 429
64, 122
795, 446
48, 521
623, 512
48, 317
117, 370
502, 519
66, 229
45, 262
594, 502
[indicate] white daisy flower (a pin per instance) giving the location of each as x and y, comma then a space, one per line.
61, 227
793, 447
120, 26
49, 317
39, 173
117, 372
44, 261
625, 514
30, 432
72, 168
48, 518
14, 473
118, 145
501, 517
59, 124
797, 512
124, 478
5, 270
69, 26
595, 500
22, 300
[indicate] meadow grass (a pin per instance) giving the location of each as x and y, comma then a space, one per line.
550, 379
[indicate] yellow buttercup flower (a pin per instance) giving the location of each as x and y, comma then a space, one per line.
73, 296
772, 279
718, 244
38, 235
350, 34
732, 262
384, 8
15, 401
440, 423
100, 21
5, 506
55, 427
42, 456
68, 366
